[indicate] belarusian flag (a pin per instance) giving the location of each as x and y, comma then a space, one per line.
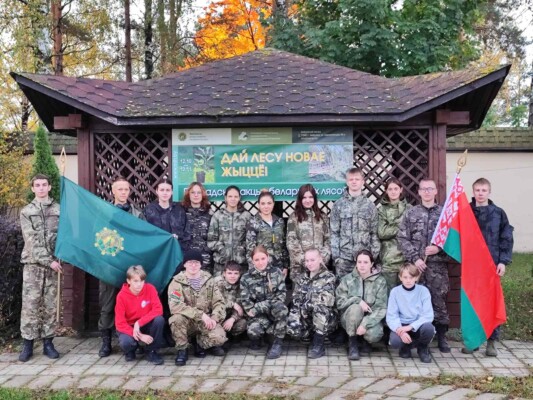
458, 234
105, 241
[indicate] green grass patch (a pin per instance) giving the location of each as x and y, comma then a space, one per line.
518, 291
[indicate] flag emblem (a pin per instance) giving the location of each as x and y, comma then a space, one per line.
109, 242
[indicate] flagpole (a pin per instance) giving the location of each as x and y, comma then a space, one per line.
63, 162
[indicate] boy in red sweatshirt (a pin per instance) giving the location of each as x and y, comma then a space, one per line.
139, 316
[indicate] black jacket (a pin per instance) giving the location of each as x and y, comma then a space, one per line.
172, 219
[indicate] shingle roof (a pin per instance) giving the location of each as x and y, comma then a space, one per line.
493, 139
263, 82
57, 142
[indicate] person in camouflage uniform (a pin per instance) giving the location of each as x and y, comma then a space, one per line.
313, 311
197, 308
414, 239
108, 293
39, 222
307, 228
393, 206
263, 296
354, 224
198, 210
362, 302
268, 230
228, 284
227, 232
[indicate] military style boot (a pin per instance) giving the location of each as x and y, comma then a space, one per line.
364, 349
105, 350
317, 349
48, 349
27, 350
441, 338
423, 354
353, 348
275, 350
181, 358
491, 351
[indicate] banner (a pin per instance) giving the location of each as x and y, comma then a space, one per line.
277, 159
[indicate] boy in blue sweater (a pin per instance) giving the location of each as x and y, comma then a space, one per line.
410, 315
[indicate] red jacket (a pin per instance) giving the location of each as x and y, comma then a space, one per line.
130, 308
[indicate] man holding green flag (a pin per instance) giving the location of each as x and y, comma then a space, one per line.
104, 240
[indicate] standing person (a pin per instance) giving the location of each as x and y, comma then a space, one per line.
198, 209
414, 239
227, 231
498, 234
354, 224
263, 296
307, 228
362, 302
393, 206
121, 191
167, 214
313, 310
39, 221
268, 230
410, 315
197, 309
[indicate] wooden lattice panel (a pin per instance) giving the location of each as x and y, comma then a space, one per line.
141, 158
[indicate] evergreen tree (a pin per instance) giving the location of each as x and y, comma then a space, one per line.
44, 163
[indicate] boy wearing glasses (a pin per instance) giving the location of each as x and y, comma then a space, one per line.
414, 240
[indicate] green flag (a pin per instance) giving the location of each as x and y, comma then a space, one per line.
105, 241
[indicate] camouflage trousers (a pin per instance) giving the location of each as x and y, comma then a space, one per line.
310, 318
343, 267
182, 328
351, 319
107, 295
390, 273
39, 302
296, 271
274, 322
436, 279
238, 327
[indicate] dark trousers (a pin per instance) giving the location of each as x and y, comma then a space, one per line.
154, 328
421, 338
496, 333
107, 297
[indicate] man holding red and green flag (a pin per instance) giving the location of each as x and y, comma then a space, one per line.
458, 233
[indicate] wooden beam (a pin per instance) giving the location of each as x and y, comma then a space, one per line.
71, 121
452, 118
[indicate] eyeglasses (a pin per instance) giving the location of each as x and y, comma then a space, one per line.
427, 189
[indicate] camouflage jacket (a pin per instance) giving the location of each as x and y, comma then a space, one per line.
373, 290
227, 236
231, 294
415, 233
302, 236
318, 290
39, 222
354, 227
259, 288
184, 300
198, 221
389, 217
272, 237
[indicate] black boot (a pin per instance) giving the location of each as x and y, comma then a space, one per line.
275, 350
441, 338
353, 348
255, 343
364, 349
423, 353
181, 358
317, 349
49, 349
405, 351
199, 352
27, 350
105, 350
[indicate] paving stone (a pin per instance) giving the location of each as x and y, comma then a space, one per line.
64, 382
211, 385
405, 390
383, 386
358, 383
334, 381
432, 392
137, 383
314, 393
370, 396
459, 394
112, 382
4, 378
309, 380
42, 382
184, 384
260, 388
490, 396
161, 383
18, 381
235, 386
89, 382
338, 394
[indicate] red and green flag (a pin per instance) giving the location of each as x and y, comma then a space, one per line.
459, 235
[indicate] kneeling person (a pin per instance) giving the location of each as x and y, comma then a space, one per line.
313, 304
139, 316
410, 315
197, 308
228, 283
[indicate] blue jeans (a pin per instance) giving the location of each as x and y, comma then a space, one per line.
421, 338
154, 328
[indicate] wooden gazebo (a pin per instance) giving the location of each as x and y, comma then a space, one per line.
399, 125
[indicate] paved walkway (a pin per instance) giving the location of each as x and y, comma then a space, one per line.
330, 377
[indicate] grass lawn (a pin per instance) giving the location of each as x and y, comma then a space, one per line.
518, 291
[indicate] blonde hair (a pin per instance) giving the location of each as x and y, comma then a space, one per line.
136, 270
411, 269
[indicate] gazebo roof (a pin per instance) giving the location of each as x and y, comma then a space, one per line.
264, 87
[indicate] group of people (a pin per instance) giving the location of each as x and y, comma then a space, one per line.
235, 266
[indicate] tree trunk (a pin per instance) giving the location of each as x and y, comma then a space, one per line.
530, 119
127, 31
57, 37
148, 39
25, 113
163, 34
